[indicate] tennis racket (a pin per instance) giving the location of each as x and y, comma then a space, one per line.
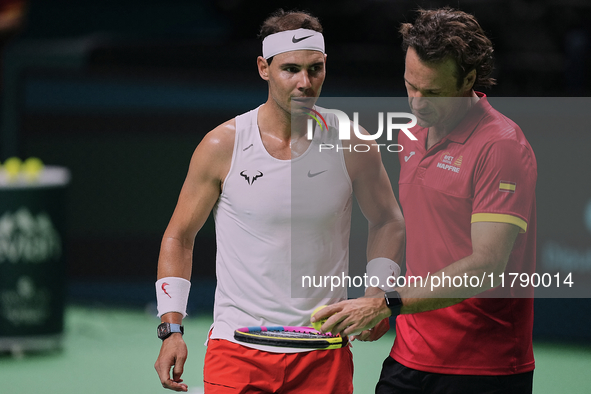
289, 336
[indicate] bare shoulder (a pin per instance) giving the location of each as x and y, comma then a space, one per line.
362, 157
220, 141
213, 155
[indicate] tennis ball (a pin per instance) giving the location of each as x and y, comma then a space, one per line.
12, 166
319, 323
32, 168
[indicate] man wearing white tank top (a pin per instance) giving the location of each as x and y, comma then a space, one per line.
282, 209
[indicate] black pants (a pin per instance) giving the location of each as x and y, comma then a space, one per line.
396, 378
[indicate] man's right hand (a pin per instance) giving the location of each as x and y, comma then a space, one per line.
172, 353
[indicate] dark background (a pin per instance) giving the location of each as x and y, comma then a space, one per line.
121, 92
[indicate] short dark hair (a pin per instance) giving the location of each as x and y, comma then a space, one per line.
437, 35
282, 20
289, 20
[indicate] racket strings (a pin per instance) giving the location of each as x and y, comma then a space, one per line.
294, 334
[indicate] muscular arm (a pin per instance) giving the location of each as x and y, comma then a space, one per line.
386, 236
209, 165
376, 199
491, 246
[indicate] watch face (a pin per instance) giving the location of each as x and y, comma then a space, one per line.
163, 330
393, 299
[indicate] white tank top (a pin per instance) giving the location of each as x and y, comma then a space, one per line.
277, 221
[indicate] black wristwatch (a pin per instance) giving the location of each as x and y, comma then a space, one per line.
394, 302
166, 329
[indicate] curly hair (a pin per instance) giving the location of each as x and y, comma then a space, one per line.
289, 20
445, 33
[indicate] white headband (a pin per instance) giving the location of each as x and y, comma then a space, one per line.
292, 40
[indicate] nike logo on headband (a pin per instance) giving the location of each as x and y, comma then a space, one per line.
296, 40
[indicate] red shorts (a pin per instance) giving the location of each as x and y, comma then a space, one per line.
233, 368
